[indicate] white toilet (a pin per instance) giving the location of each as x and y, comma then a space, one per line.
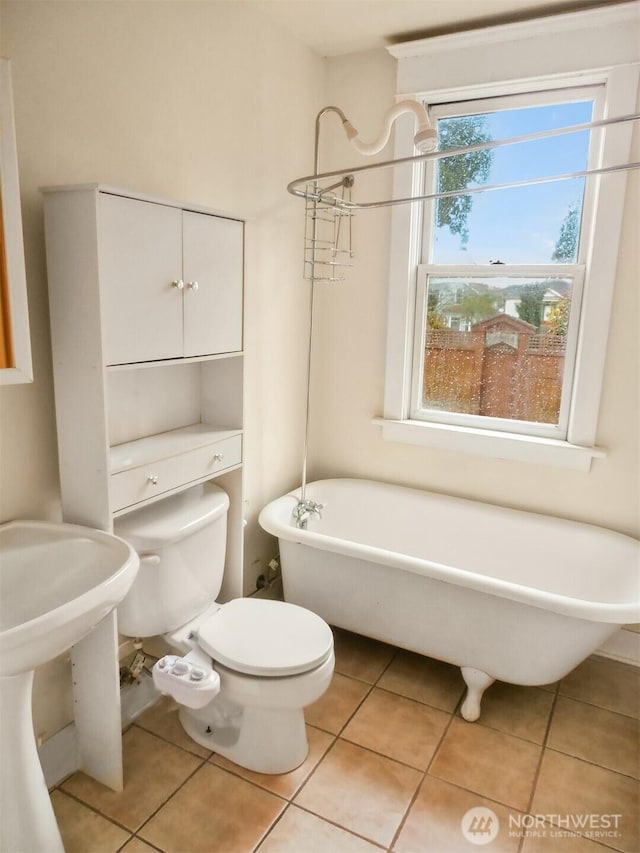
242, 671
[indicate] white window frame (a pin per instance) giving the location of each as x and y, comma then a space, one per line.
513, 51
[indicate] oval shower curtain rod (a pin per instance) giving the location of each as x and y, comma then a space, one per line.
319, 195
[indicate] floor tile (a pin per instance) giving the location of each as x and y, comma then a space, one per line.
335, 707
425, 680
596, 735
398, 728
520, 711
360, 657
607, 683
552, 840
490, 763
82, 829
568, 786
298, 831
284, 784
361, 791
136, 845
153, 770
214, 810
435, 821
162, 720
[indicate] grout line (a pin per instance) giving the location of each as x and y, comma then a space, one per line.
536, 775
340, 826
424, 776
634, 717
97, 811
592, 763
202, 764
171, 742
277, 820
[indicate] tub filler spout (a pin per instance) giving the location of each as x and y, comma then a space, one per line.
304, 510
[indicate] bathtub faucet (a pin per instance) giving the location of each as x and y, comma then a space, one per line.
304, 511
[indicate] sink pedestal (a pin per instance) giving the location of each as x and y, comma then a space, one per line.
27, 821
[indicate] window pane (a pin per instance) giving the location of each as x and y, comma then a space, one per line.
495, 347
525, 225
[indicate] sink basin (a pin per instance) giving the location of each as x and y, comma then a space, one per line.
57, 581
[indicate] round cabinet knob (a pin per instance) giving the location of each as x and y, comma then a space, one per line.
153, 479
218, 457
179, 285
192, 285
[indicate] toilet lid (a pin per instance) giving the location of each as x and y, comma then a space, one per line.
267, 638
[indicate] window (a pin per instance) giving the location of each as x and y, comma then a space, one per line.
499, 302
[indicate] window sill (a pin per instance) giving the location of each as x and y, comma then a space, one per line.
497, 445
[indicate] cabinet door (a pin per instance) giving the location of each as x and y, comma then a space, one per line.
212, 265
140, 255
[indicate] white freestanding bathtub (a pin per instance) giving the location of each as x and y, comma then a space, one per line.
503, 594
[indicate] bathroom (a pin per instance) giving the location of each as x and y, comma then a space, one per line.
214, 103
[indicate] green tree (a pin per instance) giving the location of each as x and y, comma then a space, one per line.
531, 307
435, 320
566, 247
479, 306
458, 173
558, 321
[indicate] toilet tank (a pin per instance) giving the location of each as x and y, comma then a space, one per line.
181, 541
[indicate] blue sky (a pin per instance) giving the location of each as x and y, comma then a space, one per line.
521, 225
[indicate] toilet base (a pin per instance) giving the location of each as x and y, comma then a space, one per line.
265, 740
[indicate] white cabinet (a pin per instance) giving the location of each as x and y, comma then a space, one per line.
171, 281
146, 323
145, 300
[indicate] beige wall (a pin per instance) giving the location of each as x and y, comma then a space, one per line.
349, 368
198, 102
204, 103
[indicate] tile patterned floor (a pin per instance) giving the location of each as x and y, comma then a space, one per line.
392, 766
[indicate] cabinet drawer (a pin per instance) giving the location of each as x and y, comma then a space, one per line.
140, 484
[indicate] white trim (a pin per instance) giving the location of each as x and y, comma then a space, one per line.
511, 70
484, 442
576, 43
620, 14
624, 646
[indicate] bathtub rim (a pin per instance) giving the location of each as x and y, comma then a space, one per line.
615, 613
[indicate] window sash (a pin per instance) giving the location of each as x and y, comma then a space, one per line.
426, 176
572, 272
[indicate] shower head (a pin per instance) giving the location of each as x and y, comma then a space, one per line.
425, 139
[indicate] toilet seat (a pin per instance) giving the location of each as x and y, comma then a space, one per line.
265, 638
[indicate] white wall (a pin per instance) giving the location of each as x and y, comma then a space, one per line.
350, 347
201, 102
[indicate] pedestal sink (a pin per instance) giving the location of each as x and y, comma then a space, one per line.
57, 582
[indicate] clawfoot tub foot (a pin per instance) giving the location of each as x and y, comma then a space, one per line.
477, 682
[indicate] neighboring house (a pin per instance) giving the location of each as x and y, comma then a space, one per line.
553, 295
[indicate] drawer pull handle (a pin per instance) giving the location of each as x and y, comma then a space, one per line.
218, 457
153, 479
